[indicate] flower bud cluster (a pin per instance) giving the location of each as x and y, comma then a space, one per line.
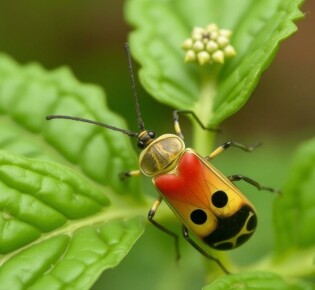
208, 45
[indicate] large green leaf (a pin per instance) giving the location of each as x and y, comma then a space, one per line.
57, 230
213, 93
28, 94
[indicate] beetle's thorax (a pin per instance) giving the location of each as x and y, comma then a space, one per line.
159, 155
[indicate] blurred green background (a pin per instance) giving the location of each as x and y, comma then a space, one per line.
89, 37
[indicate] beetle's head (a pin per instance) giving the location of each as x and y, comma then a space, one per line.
145, 138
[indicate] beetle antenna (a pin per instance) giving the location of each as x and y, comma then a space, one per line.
127, 132
133, 85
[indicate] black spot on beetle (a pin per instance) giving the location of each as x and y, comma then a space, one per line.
198, 216
219, 199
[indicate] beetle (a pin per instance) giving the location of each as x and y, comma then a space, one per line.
207, 203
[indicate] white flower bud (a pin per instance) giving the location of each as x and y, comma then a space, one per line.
212, 46
198, 30
198, 46
225, 32
229, 51
212, 27
197, 33
190, 56
218, 56
214, 35
222, 41
203, 57
187, 44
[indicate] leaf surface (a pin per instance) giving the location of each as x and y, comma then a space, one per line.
28, 94
57, 230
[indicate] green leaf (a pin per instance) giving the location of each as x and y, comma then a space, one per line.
294, 214
255, 280
57, 230
213, 93
28, 94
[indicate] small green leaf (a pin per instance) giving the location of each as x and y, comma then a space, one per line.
28, 94
255, 280
216, 92
294, 213
57, 230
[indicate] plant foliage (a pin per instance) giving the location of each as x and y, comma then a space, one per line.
66, 217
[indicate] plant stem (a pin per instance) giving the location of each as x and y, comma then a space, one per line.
202, 139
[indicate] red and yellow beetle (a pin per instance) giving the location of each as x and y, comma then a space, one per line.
206, 202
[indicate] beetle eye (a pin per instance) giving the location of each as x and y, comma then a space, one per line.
152, 134
141, 144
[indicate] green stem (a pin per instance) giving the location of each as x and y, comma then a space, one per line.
202, 139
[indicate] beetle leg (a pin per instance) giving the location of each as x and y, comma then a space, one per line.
229, 144
238, 177
131, 173
187, 112
162, 228
202, 251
